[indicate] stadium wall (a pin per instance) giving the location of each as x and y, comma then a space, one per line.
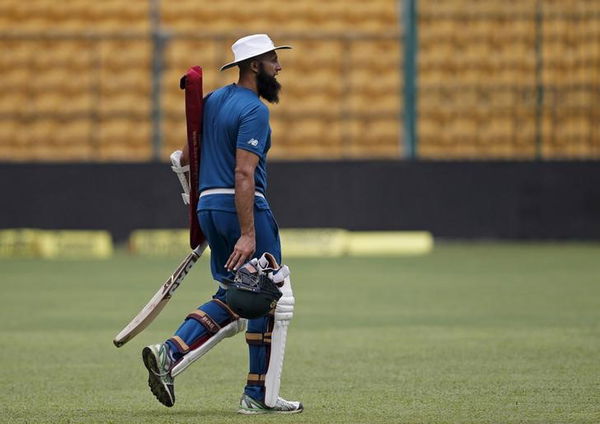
473, 200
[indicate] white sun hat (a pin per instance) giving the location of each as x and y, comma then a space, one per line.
251, 46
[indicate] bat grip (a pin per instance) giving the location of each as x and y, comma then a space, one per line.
200, 248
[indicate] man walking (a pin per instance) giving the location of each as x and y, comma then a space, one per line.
237, 221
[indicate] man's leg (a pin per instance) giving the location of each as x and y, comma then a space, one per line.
258, 337
203, 326
210, 322
266, 336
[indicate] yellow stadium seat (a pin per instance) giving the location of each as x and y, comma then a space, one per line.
308, 102
14, 102
371, 138
124, 140
173, 103
129, 80
10, 132
124, 103
58, 140
15, 81
174, 134
323, 80
307, 53
306, 137
119, 54
50, 102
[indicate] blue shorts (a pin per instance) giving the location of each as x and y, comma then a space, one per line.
222, 230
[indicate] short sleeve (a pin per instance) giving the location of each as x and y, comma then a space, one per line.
254, 130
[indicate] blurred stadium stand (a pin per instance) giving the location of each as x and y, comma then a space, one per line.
497, 79
509, 79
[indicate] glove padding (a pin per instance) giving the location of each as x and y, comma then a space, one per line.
268, 265
180, 171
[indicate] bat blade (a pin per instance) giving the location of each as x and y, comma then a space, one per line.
156, 304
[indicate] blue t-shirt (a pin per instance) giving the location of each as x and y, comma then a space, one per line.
234, 118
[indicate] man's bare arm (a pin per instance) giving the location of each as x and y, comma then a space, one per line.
245, 165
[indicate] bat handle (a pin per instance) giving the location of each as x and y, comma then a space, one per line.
200, 248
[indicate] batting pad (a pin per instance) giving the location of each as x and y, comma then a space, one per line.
229, 330
284, 311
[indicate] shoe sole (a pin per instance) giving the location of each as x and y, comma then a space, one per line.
267, 411
159, 389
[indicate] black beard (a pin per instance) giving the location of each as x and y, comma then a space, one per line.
268, 87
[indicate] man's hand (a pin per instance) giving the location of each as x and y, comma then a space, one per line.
243, 250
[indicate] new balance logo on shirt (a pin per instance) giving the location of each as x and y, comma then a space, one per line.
253, 142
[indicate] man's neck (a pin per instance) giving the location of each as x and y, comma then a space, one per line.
248, 81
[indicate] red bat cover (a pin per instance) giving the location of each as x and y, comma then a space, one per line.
191, 82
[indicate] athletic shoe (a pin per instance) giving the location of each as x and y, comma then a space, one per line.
249, 406
157, 361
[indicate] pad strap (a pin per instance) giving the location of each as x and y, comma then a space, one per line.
206, 320
259, 339
256, 379
178, 342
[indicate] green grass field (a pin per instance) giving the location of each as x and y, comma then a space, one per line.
472, 333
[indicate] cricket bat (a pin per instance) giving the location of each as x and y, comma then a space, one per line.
191, 82
159, 300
